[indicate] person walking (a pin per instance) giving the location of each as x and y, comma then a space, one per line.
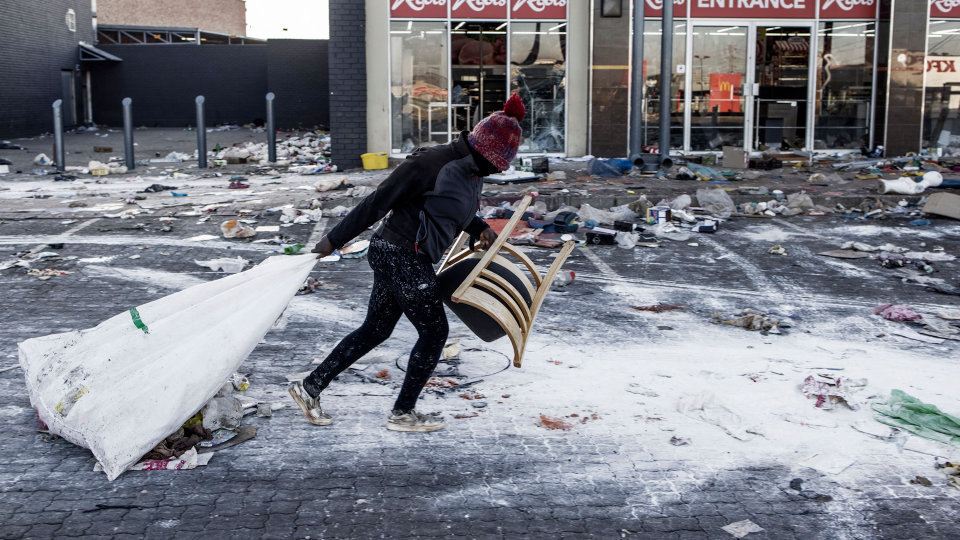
427, 200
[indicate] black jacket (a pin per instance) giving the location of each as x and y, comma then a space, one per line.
432, 196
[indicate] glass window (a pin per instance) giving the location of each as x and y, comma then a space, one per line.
652, 36
941, 116
719, 72
844, 81
418, 84
538, 73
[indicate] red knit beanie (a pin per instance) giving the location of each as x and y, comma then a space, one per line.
497, 136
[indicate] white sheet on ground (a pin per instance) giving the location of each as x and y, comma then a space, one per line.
123, 386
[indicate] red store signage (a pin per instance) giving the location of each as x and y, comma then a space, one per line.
479, 9
755, 9
539, 9
848, 9
418, 9
654, 8
944, 9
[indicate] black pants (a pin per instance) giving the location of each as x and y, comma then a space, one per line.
404, 283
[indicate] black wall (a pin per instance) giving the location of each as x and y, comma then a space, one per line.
348, 82
297, 74
164, 80
36, 45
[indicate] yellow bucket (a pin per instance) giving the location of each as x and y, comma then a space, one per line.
374, 160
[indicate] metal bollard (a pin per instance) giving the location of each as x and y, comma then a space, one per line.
58, 152
271, 130
201, 135
128, 133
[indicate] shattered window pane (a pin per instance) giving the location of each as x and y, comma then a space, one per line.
844, 81
418, 84
538, 73
941, 95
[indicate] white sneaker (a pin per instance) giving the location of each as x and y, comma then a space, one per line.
414, 421
309, 405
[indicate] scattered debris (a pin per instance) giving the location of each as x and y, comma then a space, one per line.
46, 273
906, 412
659, 308
230, 266
830, 390
552, 422
952, 470
921, 480
891, 312
752, 319
235, 229
742, 528
679, 441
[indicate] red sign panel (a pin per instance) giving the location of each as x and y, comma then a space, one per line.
654, 8
479, 9
755, 9
725, 92
539, 9
848, 9
418, 9
944, 9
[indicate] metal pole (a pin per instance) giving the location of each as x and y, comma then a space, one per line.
201, 135
58, 153
666, 75
128, 133
271, 130
636, 82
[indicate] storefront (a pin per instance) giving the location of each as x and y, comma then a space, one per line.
754, 74
451, 63
764, 73
941, 116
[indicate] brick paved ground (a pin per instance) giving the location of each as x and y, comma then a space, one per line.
499, 474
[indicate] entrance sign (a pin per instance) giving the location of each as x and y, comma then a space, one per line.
754, 9
418, 9
478, 9
848, 9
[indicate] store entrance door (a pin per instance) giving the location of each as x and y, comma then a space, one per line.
782, 77
478, 69
749, 85
716, 90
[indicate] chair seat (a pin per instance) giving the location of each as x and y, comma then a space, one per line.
491, 294
483, 325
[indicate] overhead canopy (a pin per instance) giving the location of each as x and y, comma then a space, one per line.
89, 53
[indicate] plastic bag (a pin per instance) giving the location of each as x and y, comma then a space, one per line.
907, 412
121, 387
716, 201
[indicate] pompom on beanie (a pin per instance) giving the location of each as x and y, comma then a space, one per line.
498, 136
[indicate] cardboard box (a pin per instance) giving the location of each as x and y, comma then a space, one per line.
943, 204
735, 157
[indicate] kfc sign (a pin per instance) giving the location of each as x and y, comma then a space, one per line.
479, 9
848, 9
754, 9
418, 9
654, 8
539, 9
940, 9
